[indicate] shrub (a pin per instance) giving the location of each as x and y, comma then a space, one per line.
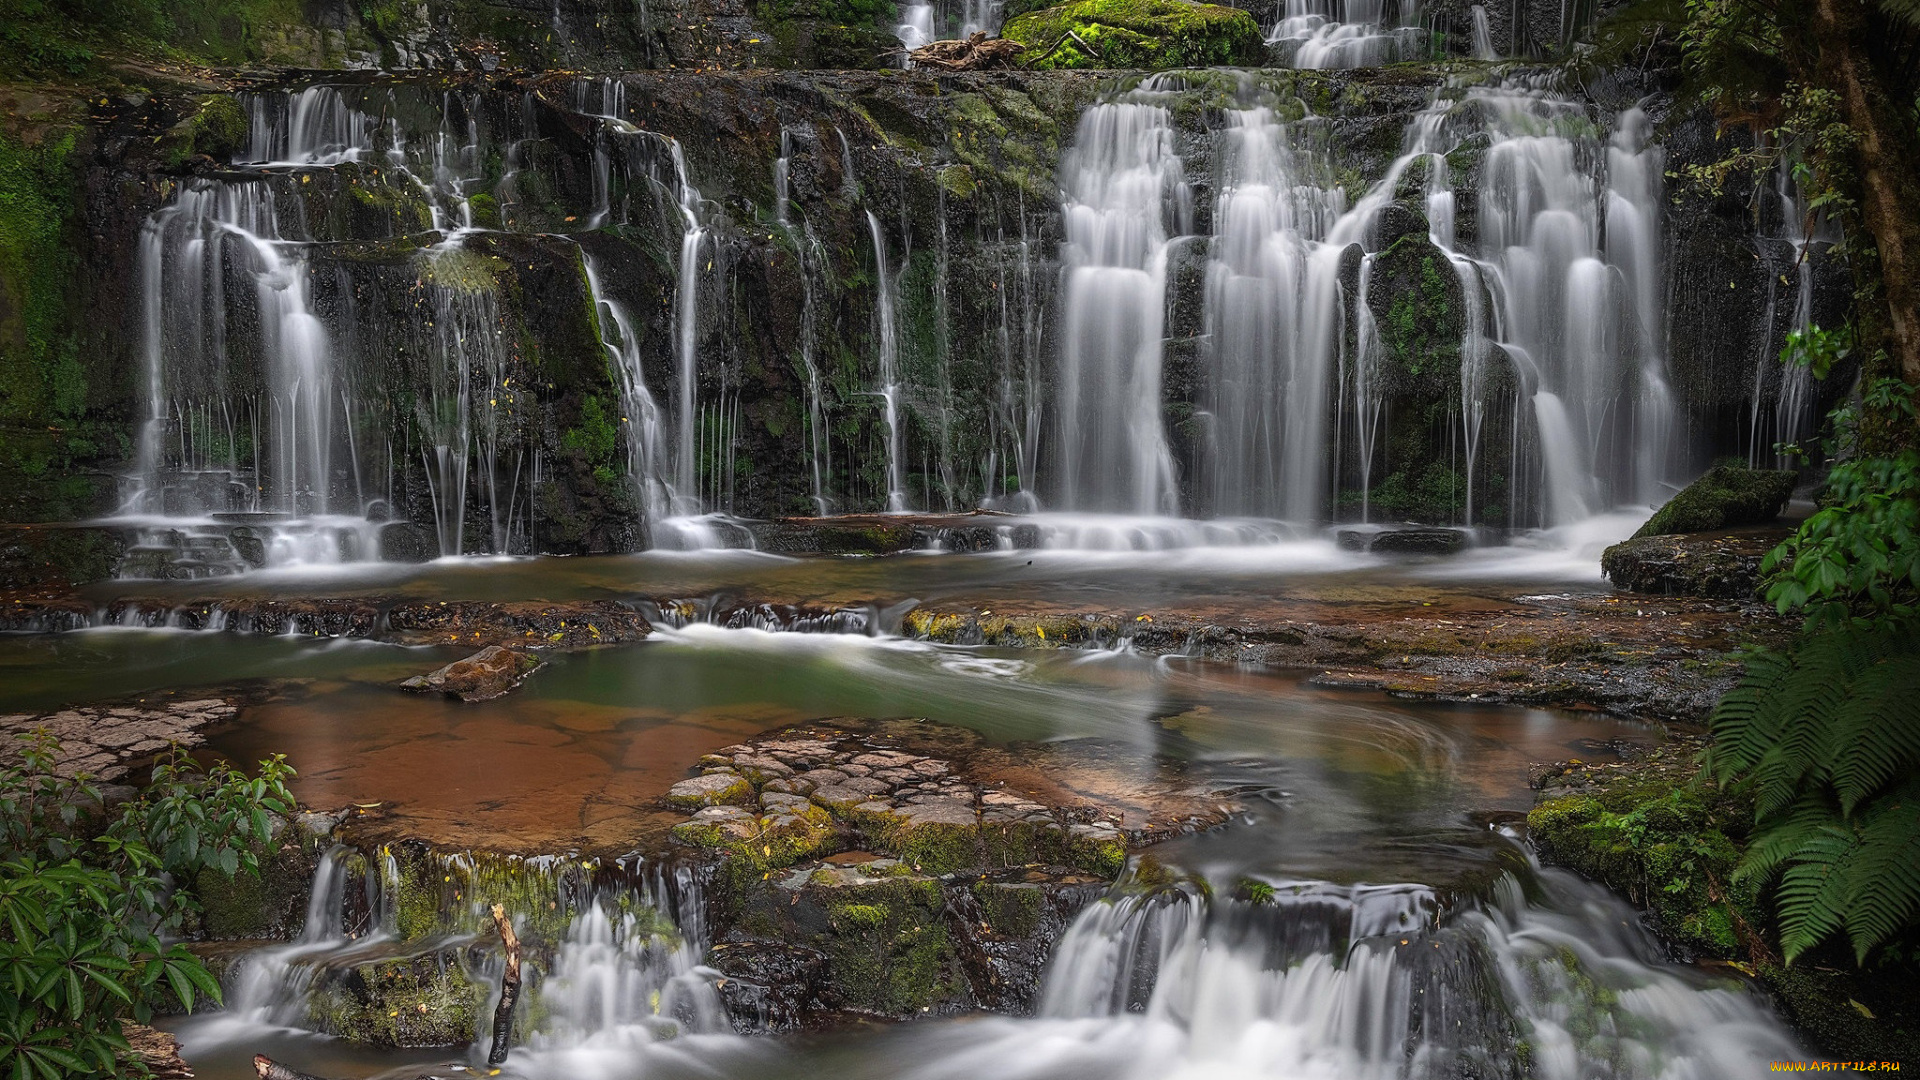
82, 917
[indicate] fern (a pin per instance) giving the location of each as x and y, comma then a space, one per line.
1907, 11
1829, 737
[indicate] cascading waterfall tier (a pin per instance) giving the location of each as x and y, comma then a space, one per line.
275, 432
1321, 981
1373, 360
1349, 33
1125, 196
623, 974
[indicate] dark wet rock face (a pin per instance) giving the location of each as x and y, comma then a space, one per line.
490, 673
1725, 497
1711, 564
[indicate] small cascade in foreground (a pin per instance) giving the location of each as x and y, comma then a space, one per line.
1322, 981
1349, 33
623, 974
350, 916
627, 977
1125, 196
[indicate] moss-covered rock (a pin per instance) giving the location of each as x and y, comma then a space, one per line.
711, 789
1152, 34
890, 951
1727, 496
269, 905
424, 1000
1657, 831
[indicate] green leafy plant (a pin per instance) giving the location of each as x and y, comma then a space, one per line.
87, 901
1829, 737
1817, 349
1857, 559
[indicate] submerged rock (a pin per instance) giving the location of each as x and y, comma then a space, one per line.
1725, 497
1151, 34
490, 673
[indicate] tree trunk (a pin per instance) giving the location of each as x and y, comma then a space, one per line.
1885, 156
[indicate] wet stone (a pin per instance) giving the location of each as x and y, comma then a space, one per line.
487, 674
710, 789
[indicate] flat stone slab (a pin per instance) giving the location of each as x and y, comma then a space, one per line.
108, 742
938, 799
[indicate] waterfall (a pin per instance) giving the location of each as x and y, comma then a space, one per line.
886, 333
626, 974
1633, 246
1275, 315
1792, 418
932, 20
628, 977
1374, 982
1576, 265
1483, 35
641, 420
1349, 33
1125, 194
270, 987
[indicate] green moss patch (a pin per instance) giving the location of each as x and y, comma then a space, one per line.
1152, 34
1725, 497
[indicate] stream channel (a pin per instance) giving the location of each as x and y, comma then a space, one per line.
1367, 910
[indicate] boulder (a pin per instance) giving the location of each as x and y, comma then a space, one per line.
1717, 567
487, 674
1413, 541
1727, 496
1152, 34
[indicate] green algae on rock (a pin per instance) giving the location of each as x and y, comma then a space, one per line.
1725, 497
1152, 34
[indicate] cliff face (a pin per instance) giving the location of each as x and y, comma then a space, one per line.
552, 309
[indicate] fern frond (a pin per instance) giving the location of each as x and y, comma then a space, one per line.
1811, 897
1771, 847
1747, 720
1883, 874
1878, 734
1906, 11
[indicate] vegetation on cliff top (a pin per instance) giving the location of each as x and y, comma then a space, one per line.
1152, 34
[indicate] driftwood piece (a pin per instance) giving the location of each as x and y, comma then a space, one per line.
268, 1069
509, 989
1062, 40
977, 52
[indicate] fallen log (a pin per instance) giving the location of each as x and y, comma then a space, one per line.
509, 989
977, 52
268, 1069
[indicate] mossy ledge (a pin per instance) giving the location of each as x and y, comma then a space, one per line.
1151, 34
1657, 831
